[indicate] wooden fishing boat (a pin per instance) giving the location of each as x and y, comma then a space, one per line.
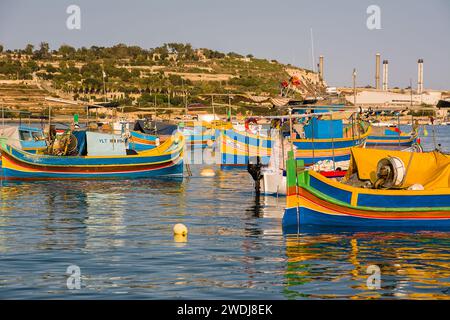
323, 140
166, 159
391, 137
420, 196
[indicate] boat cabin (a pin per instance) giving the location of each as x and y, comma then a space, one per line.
26, 138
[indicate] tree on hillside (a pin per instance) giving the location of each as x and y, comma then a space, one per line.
91, 69
213, 54
184, 51
1, 48
67, 51
43, 51
163, 51
120, 51
32, 65
29, 49
234, 55
136, 51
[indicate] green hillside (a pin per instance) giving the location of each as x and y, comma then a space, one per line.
173, 74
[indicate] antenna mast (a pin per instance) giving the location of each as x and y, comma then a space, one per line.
312, 52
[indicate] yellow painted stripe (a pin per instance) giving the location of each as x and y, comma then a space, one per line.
354, 199
294, 201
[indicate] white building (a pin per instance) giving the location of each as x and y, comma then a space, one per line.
381, 98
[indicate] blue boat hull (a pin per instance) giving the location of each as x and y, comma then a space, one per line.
311, 217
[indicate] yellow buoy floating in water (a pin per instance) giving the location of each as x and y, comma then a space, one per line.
179, 238
207, 172
180, 233
180, 229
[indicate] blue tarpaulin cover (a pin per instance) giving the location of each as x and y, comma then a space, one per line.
81, 142
324, 129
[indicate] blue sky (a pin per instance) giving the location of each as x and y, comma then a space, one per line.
277, 29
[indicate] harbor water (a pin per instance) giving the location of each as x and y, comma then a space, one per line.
119, 235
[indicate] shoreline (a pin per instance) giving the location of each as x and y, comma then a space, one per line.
69, 119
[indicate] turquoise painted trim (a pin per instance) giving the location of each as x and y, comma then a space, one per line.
143, 136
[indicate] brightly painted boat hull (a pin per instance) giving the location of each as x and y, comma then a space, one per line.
314, 200
175, 169
162, 161
238, 148
316, 215
386, 141
391, 137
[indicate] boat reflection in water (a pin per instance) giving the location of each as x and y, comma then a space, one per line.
328, 264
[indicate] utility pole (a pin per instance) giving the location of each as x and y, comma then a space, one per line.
155, 107
3, 115
354, 87
104, 83
185, 97
410, 87
185, 102
312, 52
229, 106
212, 105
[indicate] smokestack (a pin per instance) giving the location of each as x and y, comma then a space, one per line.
385, 75
420, 76
377, 71
321, 67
